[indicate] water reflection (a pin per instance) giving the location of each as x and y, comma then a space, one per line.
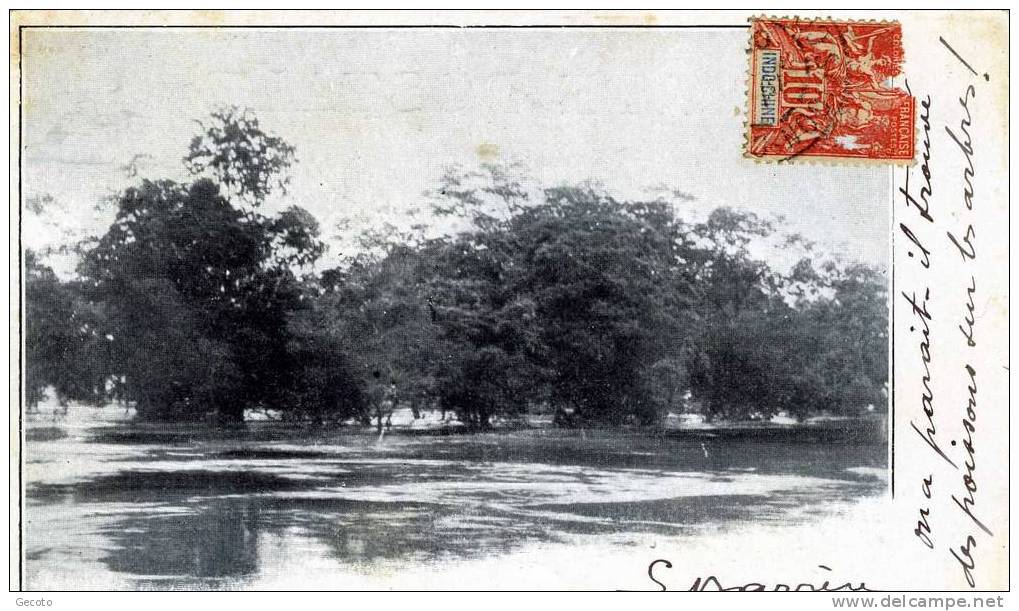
216, 512
220, 540
155, 486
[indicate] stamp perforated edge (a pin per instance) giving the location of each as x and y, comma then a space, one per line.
808, 159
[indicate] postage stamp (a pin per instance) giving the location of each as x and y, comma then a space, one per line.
823, 89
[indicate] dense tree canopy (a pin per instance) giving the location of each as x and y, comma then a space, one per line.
601, 311
199, 291
64, 340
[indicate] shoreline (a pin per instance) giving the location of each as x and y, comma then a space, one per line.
865, 429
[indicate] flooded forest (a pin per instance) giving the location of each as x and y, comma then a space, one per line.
224, 393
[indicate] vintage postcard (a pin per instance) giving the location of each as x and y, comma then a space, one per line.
685, 301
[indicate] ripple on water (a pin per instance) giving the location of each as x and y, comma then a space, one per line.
200, 511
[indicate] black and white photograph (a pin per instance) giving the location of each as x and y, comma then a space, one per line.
444, 308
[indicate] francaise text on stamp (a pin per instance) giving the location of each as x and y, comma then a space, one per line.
822, 89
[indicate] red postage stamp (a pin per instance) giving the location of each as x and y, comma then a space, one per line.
823, 89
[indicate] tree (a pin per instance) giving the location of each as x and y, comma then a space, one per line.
234, 150
323, 384
613, 291
575, 292
613, 309
379, 309
755, 364
490, 367
64, 346
200, 289
850, 323
809, 341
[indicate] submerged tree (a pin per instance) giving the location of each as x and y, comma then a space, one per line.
610, 287
64, 344
848, 324
566, 296
809, 341
377, 306
611, 312
200, 289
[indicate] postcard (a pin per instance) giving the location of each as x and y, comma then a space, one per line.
520, 300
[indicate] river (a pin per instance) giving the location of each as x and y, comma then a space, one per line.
117, 505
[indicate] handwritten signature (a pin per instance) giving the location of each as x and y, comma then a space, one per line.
712, 583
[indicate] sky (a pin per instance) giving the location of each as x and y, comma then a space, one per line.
377, 114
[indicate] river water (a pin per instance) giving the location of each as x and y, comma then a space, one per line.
116, 505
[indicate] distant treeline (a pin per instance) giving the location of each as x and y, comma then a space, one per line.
563, 299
